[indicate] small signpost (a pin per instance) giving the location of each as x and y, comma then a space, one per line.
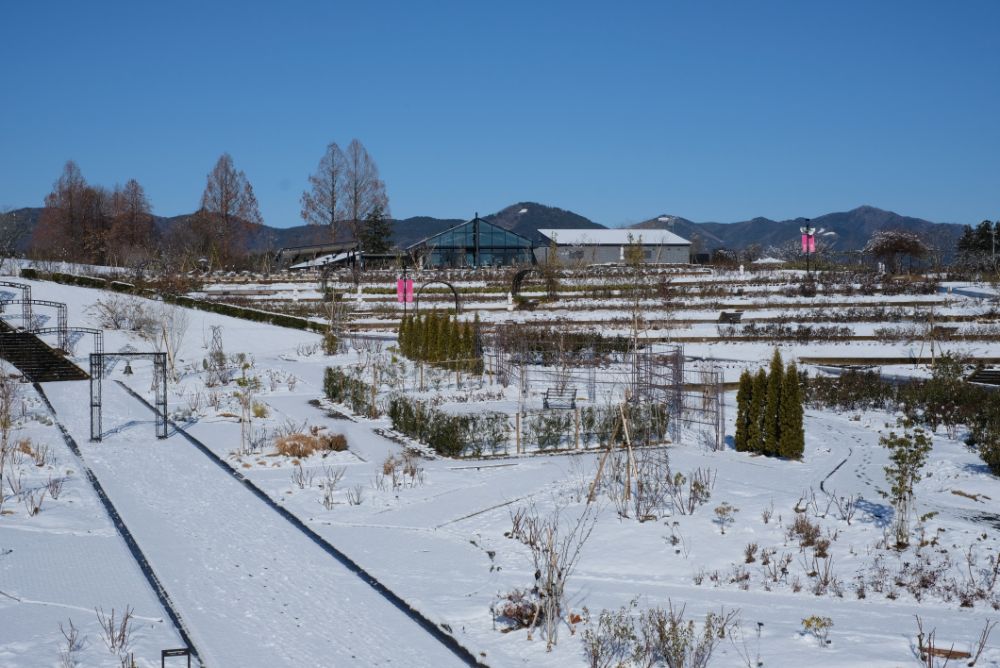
183, 651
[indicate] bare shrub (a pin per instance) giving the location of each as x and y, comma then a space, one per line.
687, 493
517, 609
121, 312
33, 501
304, 445
556, 547
805, 531
678, 642
69, 654
332, 478
116, 632
612, 642
301, 477
356, 495
658, 637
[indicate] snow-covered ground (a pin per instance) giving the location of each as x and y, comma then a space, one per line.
254, 591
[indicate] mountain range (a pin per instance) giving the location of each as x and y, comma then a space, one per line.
839, 231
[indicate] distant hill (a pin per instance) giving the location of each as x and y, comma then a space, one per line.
845, 231
526, 218
841, 231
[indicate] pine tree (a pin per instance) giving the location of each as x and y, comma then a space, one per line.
772, 405
743, 410
793, 441
755, 415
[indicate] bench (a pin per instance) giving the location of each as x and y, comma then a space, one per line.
560, 398
730, 318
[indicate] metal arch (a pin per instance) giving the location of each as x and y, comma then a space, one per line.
25, 299
98, 334
61, 318
515, 285
518, 280
159, 389
416, 297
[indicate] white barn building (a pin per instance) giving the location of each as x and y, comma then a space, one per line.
600, 246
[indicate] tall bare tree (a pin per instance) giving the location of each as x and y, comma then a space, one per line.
323, 203
363, 189
228, 213
133, 233
57, 233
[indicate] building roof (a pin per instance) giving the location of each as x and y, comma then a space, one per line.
617, 237
492, 235
322, 261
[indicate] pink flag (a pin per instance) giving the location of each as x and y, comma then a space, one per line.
805, 243
399, 290
409, 290
812, 243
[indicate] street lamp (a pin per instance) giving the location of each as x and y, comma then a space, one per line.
808, 244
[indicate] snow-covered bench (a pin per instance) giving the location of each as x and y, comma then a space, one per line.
560, 398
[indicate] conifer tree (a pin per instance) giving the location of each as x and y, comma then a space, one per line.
420, 343
743, 410
440, 327
451, 342
793, 442
755, 415
404, 326
772, 405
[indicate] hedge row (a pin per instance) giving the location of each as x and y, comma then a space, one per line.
353, 392
450, 435
254, 315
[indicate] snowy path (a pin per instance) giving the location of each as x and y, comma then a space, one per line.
254, 590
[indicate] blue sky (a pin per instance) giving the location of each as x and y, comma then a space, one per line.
618, 111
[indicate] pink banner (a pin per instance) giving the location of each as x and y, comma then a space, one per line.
409, 290
805, 243
399, 290
812, 243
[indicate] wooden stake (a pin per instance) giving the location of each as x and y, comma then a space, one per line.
517, 430
600, 466
577, 420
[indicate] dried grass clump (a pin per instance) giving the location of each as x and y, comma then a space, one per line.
304, 445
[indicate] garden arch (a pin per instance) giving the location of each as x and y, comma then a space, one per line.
25, 300
97, 333
516, 283
159, 389
60, 316
458, 300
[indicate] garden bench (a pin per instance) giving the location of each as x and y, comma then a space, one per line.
730, 318
560, 398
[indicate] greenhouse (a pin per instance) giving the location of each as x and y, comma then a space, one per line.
474, 243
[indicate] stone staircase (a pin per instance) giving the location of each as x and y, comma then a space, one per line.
36, 361
987, 376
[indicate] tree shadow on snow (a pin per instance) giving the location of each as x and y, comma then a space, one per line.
977, 468
879, 513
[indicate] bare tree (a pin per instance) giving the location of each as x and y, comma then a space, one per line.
13, 228
228, 213
323, 203
363, 189
63, 207
132, 230
172, 323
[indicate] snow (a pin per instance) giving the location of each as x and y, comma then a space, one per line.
255, 592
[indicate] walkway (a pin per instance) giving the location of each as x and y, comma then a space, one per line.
253, 589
